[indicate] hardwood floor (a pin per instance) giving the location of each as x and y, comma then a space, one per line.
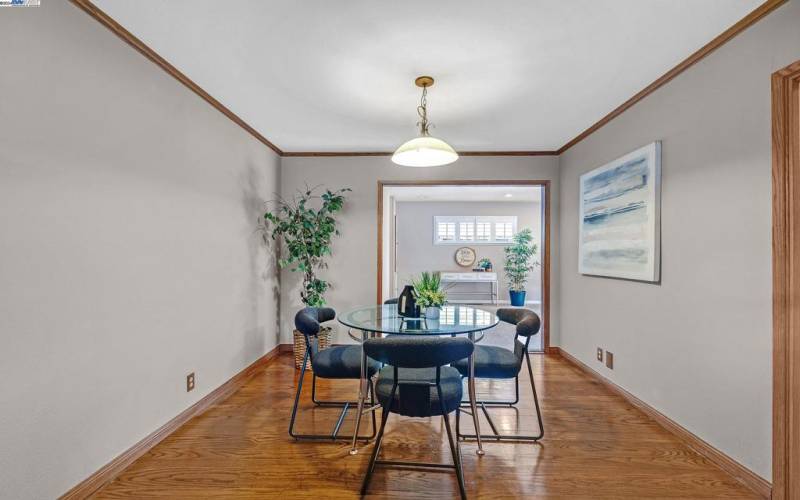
596, 446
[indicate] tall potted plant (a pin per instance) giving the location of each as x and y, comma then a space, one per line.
518, 264
307, 225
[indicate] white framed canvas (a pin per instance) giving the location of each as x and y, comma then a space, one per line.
620, 205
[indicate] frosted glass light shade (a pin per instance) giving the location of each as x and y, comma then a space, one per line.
425, 151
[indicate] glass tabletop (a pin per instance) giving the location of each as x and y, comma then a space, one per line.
453, 319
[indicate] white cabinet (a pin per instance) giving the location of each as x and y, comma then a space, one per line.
453, 278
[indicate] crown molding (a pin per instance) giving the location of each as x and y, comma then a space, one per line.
744, 23
301, 154
128, 37
308, 154
116, 28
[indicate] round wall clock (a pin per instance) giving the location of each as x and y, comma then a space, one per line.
465, 256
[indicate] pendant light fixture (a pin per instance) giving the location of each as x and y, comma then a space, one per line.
425, 150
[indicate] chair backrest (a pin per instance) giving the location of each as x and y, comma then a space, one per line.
308, 319
408, 351
527, 321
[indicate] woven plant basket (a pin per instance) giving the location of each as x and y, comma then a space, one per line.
324, 336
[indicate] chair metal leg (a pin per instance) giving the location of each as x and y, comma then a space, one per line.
325, 402
511, 437
297, 395
373, 459
535, 397
473, 404
361, 396
345, 405
490, 402
456, 452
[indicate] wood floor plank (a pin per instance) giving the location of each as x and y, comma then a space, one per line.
596, 446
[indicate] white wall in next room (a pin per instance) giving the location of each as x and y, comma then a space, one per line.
416, 251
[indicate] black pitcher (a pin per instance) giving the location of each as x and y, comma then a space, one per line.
407, 303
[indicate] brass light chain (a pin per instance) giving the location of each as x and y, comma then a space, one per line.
422, 110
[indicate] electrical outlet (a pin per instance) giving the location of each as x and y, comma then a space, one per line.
599, 354
190, 382
609, 360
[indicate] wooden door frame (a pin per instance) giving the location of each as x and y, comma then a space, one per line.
785, 282
546, 257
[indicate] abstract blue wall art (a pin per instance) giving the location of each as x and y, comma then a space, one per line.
620, 226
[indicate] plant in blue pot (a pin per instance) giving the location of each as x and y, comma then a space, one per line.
519, 263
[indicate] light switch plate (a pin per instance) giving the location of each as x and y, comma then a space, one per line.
609, 360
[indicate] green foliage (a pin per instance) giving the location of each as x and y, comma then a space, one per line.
484, 263
307, 234
518, 259
428, 290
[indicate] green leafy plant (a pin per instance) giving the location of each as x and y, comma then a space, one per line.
428, 290
518, 259
307, 233
484, 264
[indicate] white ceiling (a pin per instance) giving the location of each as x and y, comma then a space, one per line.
531, 194
322, 75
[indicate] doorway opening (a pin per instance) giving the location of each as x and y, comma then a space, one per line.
460, 229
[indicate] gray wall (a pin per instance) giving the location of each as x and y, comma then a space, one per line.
353, 266
697, 347
416, 251
127, 207
129, 259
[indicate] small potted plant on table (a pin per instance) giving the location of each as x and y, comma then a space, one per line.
518, 264
307, 233
429, 294
484, 265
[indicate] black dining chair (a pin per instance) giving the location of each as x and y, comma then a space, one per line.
416, 383
501, 363
338, 362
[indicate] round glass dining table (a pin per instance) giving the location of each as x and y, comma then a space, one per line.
457, 319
